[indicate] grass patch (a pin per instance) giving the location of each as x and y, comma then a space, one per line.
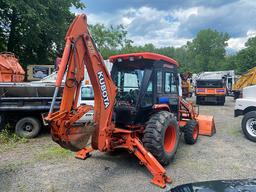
234, 132
55, 152
8, 139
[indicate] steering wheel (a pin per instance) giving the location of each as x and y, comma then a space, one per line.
132, 95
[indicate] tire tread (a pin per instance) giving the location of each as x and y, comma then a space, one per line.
153, 139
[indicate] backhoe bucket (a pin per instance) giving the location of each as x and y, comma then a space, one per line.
206, 125
80, 136
76, 138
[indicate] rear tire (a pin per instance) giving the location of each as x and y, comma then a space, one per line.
28, 127
161, 136
221, 100
199, 100
191, 132
249, 125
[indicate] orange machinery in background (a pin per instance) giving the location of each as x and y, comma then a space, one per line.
10, 69
186, 84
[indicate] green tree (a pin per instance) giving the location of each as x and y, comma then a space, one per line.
207, 50
246, 58
128, 48
109, 38
34, 30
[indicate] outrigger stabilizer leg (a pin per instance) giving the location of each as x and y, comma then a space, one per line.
134, 145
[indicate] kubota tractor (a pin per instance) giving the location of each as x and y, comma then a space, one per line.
137, 107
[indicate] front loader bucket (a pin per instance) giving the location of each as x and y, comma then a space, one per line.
206, 125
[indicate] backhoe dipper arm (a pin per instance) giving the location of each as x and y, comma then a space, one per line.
81, 51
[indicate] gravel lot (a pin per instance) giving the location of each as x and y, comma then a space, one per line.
40, 165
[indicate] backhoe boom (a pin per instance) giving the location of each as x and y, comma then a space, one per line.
81, 51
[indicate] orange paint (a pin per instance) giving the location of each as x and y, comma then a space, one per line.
210, 91
10, 69
206, 125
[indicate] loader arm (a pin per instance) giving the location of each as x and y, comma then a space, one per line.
80, 52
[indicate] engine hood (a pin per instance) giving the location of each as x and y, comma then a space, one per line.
249, 92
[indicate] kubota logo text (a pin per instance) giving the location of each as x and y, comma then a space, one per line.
103, 88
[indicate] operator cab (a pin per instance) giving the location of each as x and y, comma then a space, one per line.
145, 82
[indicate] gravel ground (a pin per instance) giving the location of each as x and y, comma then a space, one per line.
40, 165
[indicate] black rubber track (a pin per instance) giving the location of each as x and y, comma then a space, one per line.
153, 138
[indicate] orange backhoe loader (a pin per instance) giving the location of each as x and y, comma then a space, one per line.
137, 107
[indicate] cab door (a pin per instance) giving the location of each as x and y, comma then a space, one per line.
167, 88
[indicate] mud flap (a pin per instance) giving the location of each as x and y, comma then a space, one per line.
206, 125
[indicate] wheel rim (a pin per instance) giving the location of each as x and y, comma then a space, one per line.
251, 126
169, 139
195, 132
27, 127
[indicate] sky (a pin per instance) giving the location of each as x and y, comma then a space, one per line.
173, 23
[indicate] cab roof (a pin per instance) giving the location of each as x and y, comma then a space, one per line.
144, 55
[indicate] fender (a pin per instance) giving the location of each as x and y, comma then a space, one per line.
161, 107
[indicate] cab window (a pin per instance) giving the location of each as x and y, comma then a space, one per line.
159, 81
129, 80
170, 85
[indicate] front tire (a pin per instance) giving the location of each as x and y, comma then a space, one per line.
249, 125
191, 132
161, 136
